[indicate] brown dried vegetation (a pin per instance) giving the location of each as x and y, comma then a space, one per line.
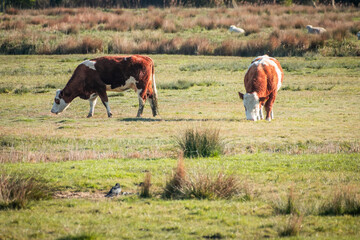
277, 31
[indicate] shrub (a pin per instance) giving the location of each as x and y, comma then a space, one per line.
200, 143
344, 201
145, 187
17, 190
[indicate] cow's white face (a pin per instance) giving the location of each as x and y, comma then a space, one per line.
252, 106
59, 103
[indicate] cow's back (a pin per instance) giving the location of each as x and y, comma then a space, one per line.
116, 70
264, 76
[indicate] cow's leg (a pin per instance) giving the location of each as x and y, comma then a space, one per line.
261, 113
92, 100
142, 100
104, 99
153, 104
269, 105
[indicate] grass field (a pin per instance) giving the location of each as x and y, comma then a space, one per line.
311, 148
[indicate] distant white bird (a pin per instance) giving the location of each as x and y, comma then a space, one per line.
114, 191
358, 35
315, 30
233, 28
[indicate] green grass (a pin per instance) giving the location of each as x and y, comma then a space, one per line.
319, 118
314, 177
312, 145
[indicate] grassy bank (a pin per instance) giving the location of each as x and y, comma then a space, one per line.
278, 31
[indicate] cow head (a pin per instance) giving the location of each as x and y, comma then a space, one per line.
59, 102
252, 105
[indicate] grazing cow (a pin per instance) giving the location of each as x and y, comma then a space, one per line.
235, 29
262, 81
315, 30
92, 78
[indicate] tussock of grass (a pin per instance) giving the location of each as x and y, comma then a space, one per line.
173, 186
145, 187
179, 85
307, 88
344, 201
16, 191
288, 206
196, 184
5, 90
200, 143
21, 90
184, 84
293, 226
236, 66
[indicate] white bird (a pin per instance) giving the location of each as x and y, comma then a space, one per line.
114, 191
233, 28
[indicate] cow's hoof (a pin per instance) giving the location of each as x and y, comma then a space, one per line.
268, 119
110, 115
89, 116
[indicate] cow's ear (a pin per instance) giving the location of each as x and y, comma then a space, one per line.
262, 99
241, 95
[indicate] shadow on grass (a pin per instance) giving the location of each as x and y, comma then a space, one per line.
80, 237
180, 120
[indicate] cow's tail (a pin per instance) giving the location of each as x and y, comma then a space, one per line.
155, 108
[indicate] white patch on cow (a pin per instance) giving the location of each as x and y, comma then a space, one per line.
130, 83
261, 113
107, 106
92, 100
58, 108
252, 106
89, 64
154, 84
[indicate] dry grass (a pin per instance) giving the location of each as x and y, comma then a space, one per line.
145, 187
293, 226
16, 191
344, 201
291, 37
173, 185
197, 184
289, 206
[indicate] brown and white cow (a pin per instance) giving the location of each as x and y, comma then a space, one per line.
92, 78
262, 81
